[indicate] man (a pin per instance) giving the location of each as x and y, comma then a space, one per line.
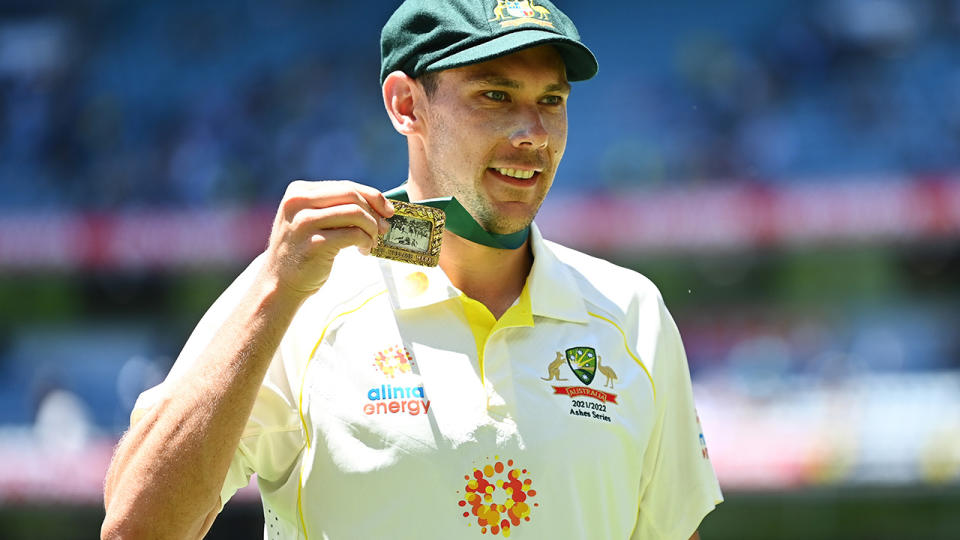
519, 389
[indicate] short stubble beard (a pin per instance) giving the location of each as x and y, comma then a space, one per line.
468, 194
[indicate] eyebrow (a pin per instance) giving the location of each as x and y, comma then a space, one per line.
558, 87
486, 79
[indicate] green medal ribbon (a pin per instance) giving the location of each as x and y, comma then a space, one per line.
462, 224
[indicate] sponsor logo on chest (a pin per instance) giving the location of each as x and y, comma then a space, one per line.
498, 495
389, 399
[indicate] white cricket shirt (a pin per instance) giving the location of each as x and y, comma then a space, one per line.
398, 408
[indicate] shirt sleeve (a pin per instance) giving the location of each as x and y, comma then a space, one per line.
679, 485
272, 438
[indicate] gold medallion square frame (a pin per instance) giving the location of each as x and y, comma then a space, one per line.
415, 234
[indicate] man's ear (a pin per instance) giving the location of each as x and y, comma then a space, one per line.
402, 97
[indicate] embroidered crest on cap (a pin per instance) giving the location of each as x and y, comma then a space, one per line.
517, 12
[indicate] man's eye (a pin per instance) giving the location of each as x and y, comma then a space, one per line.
496, 95
552, 100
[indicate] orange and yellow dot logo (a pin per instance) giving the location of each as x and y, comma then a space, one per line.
393, 361
498, 496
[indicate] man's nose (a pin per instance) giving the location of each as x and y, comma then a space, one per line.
529, 132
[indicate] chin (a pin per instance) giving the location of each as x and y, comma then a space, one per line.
505, 225
506, 217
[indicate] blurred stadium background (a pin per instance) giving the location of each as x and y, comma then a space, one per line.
787, 172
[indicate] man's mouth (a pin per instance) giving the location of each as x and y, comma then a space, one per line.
516, 173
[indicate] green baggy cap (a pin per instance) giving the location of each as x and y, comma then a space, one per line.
431, 35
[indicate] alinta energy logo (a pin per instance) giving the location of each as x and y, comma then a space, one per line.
703, 441
391, 399
497, 496
584, 363
393, 361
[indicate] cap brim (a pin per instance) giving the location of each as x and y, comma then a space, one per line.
580, 61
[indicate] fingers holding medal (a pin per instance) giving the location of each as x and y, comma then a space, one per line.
314, 222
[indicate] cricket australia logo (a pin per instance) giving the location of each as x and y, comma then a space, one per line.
517, 12
584, 362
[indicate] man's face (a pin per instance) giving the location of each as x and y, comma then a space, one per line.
494, 135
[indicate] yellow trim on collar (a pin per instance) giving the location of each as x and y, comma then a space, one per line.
483, 325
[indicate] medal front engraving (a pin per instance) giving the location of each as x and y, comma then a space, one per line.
414, 236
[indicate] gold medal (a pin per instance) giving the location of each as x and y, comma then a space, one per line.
414, 236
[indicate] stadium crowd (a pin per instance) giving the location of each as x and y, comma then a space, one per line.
107, 105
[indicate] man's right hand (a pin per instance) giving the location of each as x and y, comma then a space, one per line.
314, 222
167, 474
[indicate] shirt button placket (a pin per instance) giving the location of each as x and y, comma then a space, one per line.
494, 370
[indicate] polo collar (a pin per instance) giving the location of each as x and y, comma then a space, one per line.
412, 286
554, 292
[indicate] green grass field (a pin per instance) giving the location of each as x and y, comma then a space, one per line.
848, 514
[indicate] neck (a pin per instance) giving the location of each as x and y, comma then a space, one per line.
493, 277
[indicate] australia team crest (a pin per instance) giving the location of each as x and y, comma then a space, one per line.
584, 362
517, 12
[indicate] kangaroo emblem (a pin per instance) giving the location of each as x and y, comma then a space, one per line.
498, 13
553, 370
542, 12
